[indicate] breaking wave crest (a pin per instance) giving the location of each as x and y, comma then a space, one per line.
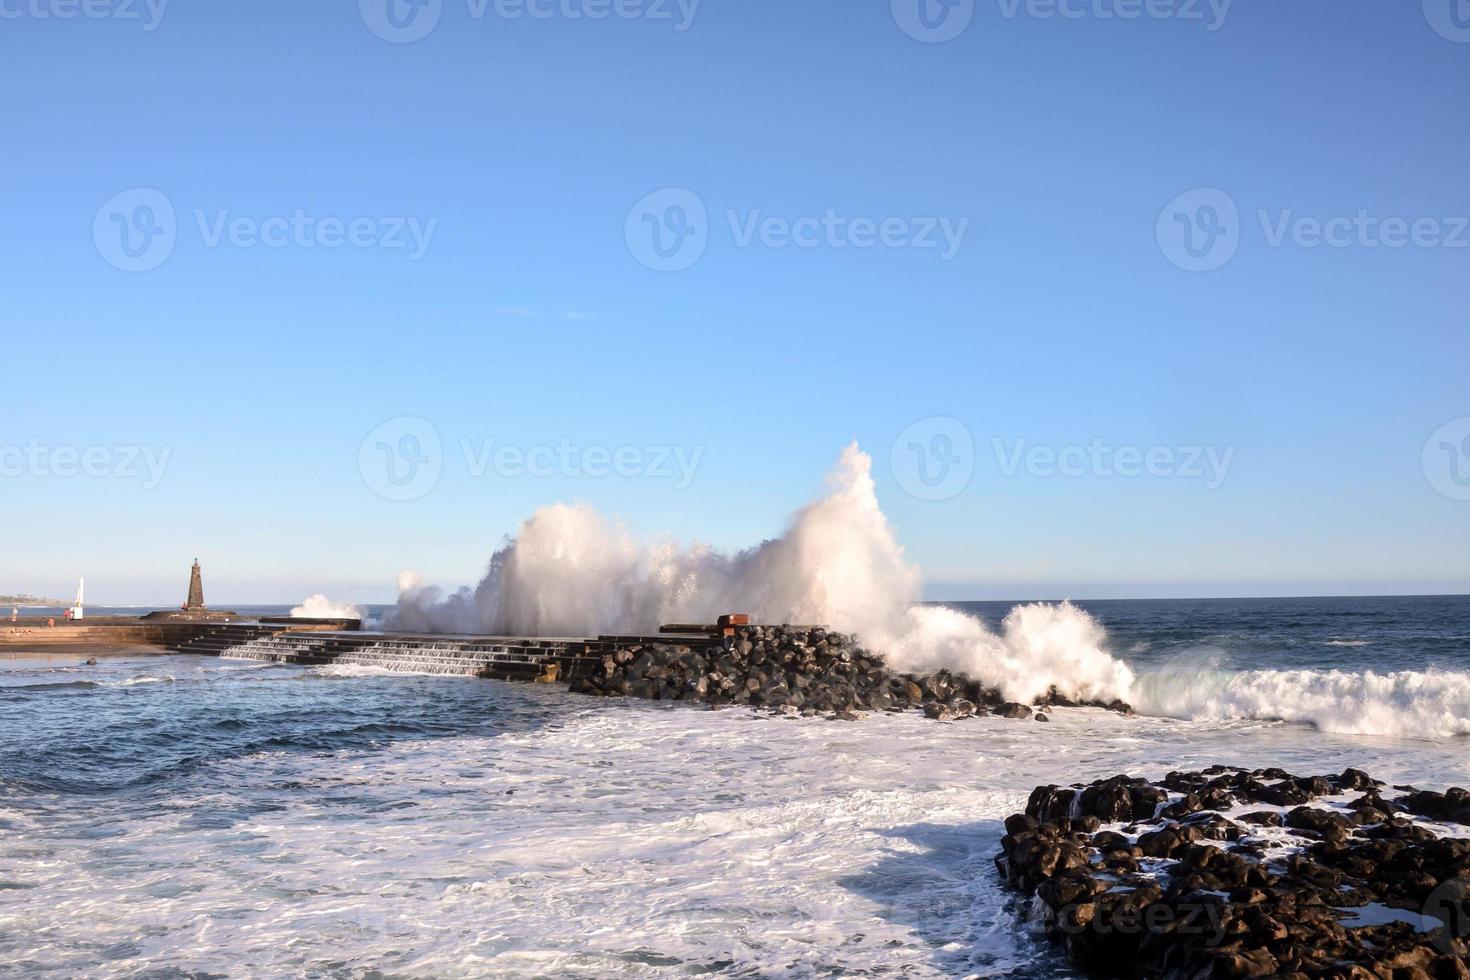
320, 607
1410, 703
570, 571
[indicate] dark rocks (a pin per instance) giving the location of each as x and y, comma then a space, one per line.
1324, 823
1194, 895
806, 671
1452, 806
1264, 818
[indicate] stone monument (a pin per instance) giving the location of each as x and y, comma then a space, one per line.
195, 602
194, 610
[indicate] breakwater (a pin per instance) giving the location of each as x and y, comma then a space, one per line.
499, 657
176, 635
805, 670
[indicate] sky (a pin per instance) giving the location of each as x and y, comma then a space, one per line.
1124, 298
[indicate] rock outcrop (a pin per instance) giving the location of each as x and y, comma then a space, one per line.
1192, 877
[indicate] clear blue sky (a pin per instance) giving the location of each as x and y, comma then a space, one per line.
529, 319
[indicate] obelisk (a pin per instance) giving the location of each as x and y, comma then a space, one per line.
196, 590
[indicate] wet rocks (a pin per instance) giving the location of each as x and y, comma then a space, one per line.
1190, 878
1453, 806
792, 670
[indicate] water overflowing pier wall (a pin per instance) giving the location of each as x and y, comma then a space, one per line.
503, 657
319, 642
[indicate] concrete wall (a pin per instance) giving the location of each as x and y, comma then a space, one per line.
163, 634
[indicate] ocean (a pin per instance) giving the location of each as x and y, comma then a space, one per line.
172, 816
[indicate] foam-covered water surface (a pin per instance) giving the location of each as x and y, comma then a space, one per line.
188, 814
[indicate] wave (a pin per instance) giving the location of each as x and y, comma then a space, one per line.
570, 571
356, 670
87, 685
51, 686
320, 607
1412, 704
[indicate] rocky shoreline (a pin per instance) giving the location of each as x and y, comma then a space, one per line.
1235, 873
800, 671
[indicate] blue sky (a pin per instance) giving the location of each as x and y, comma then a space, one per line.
1059, 321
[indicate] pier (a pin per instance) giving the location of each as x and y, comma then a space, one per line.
316, 642
500, 657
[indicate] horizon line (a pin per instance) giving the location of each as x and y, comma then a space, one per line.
224, 606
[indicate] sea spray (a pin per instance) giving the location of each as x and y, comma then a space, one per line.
320, 607
570, 571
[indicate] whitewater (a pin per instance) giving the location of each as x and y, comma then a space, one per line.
571, 571
183, 815
177, 815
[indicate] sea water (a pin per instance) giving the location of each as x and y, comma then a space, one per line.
172, 815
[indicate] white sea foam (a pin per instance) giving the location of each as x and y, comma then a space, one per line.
624, 839
1414, 704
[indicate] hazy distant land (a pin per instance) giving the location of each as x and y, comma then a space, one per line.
29, 600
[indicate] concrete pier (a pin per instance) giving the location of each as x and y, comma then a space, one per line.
502, 657
318, 642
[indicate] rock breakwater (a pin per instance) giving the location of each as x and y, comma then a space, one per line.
798, 670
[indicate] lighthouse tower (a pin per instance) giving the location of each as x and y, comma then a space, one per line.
77, 612
195, 603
